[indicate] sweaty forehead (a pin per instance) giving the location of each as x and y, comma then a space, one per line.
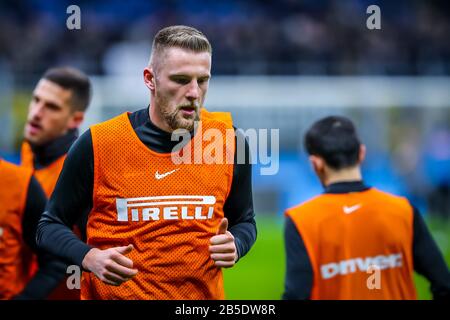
178, 60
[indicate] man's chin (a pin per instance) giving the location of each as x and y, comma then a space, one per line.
29, 138
186, 122
186, 125
33, 140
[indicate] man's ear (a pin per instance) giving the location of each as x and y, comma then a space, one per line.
362, 153
76, 119
149, 78
317, 163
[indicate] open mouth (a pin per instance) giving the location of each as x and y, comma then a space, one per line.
34, 127
188, 110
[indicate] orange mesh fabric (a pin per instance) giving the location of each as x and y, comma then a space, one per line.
341, 245
15, 257
167, 211
224, 117
47, 176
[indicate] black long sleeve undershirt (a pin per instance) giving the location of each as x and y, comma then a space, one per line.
427, 258
50, 269
299, 272
72, 197
45, 155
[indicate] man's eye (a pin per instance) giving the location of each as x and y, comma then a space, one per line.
181, 80
53, 107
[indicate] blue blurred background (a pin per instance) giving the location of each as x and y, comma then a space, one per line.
276, 64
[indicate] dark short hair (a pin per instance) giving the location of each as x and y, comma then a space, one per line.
75, 81
334, 139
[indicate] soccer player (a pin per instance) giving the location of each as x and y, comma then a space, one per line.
354, 241
157, 229
22, 202
56, 110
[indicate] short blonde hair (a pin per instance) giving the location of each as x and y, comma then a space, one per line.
183, 37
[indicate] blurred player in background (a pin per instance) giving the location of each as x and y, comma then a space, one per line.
178, 224
56, 110
22, 202
333, 239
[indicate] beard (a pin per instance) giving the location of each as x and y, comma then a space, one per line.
175, 118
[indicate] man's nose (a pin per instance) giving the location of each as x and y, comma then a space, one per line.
193, 92
37, 110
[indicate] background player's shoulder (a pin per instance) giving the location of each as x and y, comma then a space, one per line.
392, 205
305, 208
389, 198
14, 169
15, 179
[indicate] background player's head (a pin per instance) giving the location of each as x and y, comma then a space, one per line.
178, 76
334, 149
59, 102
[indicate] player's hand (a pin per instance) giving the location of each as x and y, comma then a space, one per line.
110, 265
223, 249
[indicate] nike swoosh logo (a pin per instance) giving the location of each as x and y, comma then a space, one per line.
348, 210
159, 176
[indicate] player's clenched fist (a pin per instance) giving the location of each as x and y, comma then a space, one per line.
223, 249
110, 265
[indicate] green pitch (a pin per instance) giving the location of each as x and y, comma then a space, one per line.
260, 274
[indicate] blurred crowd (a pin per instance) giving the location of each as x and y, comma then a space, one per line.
248, 37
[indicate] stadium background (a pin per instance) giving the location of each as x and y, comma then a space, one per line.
276, 64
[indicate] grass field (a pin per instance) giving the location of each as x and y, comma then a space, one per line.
260, 274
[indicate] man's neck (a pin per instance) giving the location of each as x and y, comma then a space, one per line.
156, 119
343, 175
46, 154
